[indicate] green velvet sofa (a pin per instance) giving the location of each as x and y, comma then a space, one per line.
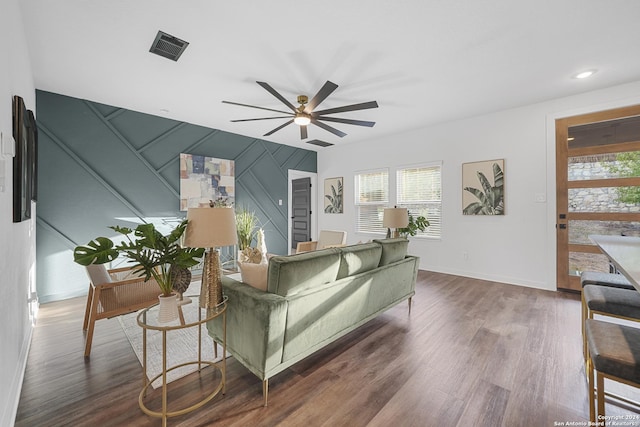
312, 299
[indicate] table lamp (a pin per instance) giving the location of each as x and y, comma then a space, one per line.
211, 228
395, 218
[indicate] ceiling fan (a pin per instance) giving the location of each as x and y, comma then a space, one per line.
306, 114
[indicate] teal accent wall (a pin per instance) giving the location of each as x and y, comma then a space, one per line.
100, 165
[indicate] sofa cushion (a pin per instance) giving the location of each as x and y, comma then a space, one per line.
254, 274
359, 258
289, 275
393, 250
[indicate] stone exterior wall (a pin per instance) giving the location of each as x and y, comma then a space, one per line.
595, 199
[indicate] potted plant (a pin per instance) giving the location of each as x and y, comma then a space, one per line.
152, 253
248, 230
246, 227
415, 224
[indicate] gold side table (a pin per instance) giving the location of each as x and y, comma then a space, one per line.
148, 320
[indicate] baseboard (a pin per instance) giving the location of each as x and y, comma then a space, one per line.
43, 299
496, 278
15, 388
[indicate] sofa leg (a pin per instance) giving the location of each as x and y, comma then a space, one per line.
265, 390
410, 305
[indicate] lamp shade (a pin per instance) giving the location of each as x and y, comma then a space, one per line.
395, 218
210, 227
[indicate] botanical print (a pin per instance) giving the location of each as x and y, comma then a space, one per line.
205, 179
333, 195
480, 196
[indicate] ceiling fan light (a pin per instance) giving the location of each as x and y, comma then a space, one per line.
302, 119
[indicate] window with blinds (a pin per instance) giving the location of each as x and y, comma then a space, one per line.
372, 196
419, 189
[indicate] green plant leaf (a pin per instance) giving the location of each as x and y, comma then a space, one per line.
148, 236
415, 224
177, 232
98, 251
121, 230
479, 194
473, 209
498, 176
152, 254
486, 186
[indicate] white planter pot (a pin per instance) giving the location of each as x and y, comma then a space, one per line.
168, 308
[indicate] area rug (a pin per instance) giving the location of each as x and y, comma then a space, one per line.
182, 344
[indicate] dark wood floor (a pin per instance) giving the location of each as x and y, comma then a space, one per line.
472, 353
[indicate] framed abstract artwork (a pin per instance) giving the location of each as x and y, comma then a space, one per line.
483, 188
205, 180
333, 196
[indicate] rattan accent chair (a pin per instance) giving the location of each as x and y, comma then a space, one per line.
112, 293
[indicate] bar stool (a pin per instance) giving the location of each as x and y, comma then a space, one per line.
604, 279
601, 279
614, 354
608, 301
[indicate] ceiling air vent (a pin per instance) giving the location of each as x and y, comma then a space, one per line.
319, 143
168, 46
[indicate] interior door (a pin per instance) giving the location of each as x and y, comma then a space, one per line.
597, 187
300, 211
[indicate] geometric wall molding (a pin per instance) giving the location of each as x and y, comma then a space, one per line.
102, 165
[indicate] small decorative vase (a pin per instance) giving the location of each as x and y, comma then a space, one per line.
262, 246
168, 308
181, 279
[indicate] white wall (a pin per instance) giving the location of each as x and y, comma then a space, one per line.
17, 241
517, 248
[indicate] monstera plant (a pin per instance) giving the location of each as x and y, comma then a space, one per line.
152, 253
419, 223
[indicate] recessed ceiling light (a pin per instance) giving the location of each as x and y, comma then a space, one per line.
584, 74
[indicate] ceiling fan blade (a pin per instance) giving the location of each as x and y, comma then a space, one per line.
273, 92
347, 121
278, 128
322, 94
303, 132
353, 107
328, 128
261, 118
253, 106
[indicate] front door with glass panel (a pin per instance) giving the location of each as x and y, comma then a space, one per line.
597, 187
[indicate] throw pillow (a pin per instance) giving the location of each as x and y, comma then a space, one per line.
254, 274
252, 255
